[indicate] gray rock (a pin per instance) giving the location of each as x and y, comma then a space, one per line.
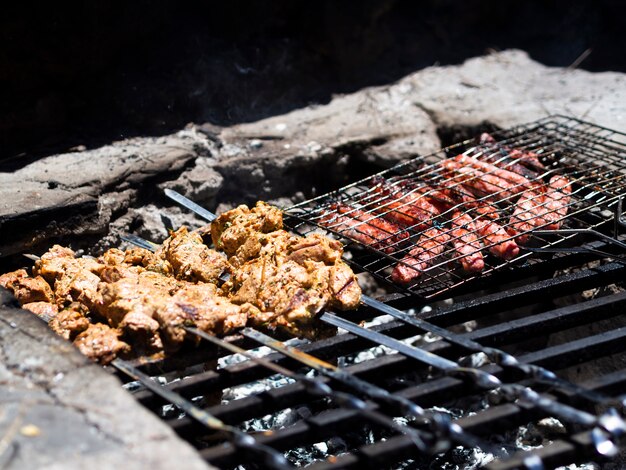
508, 88
79, 193
58, 410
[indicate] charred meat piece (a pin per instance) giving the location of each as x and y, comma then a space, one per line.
406, 207
557, 199
496, 239
364, 227
431, 244
232, 228
27, 289
45, 310
288, 288
101, 343
70, 322
528, 214
466, 243
190, 258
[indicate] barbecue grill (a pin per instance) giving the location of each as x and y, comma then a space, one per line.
404, 390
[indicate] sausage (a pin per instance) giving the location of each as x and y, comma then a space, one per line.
466, 243
428, 247
557, 199
496, 239
363, 232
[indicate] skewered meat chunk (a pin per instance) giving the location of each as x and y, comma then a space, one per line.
101, 343
190, 258
74, 279
44, 310
361, 226
69, 322
466, 243
232, 228
77, 285
431, 244
210, 312
152, 307
292, 279
27, 289
496, 239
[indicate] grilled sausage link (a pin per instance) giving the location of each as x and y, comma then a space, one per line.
468, 200
517, 181
481, 184
496, 239
395, 233
466, 243
557, 199
528, 215
408, 208
430, 245
378, 234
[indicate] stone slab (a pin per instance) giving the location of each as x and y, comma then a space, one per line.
58, 410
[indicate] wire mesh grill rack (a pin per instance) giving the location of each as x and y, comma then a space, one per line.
436, 223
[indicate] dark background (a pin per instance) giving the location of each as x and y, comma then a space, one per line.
86, 73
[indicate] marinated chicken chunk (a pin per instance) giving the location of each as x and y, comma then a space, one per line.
69, 322
45, 310
190, 258
152, 306
200, 305
73, 279
27, 289
101, 343
292, 279
233, 228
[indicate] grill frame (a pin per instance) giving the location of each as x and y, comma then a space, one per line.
435, 389
557, 140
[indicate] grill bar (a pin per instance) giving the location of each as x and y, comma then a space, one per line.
240, 440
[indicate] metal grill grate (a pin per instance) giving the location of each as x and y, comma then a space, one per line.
404, 405
593, 159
